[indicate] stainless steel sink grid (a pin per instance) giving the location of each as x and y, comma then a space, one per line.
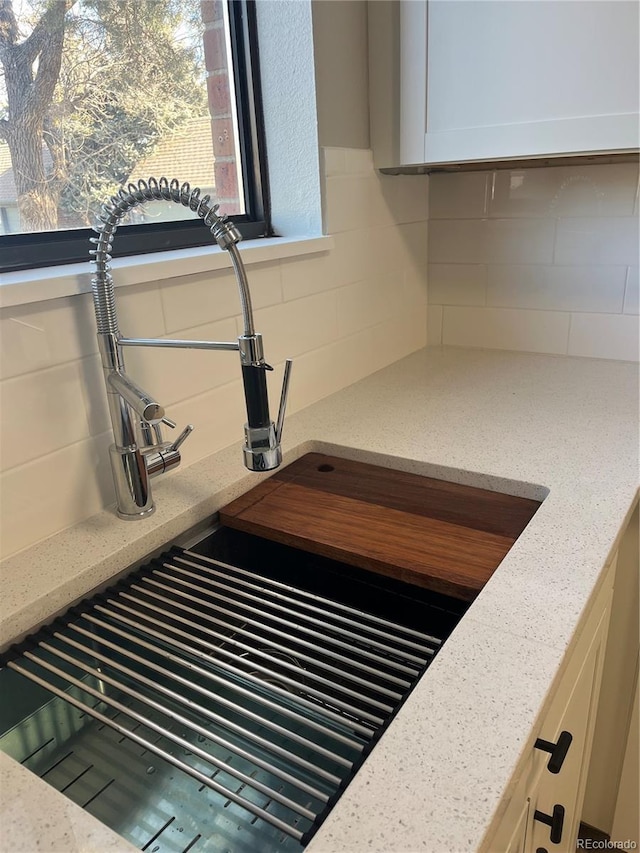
202, 706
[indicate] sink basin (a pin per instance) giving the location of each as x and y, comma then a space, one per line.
220, 698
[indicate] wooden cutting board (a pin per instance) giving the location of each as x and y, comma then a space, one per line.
431, 533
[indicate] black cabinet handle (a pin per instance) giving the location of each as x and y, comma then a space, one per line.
555, 821
558, 750
542, 850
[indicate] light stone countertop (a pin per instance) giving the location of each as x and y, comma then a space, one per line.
528, 424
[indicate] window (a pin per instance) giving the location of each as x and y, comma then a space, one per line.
99, 93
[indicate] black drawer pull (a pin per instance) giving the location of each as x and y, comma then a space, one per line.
558, 750
555, 821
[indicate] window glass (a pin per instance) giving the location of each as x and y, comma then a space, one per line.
98, 93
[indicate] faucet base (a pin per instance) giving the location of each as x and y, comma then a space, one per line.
131, 479
127, 516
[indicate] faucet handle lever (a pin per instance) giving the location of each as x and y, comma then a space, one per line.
283, 399
184, 435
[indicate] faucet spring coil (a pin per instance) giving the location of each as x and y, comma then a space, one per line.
224, 232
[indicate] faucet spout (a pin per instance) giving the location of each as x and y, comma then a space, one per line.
139, 453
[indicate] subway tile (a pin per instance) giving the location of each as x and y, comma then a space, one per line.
412, 194
399, 336
491, 241
328, 369
43, 334
597, 241
555, 288
563, 191
367, 303
348, 203
350, 259
193, 300
347, 261
358, 161
434, 325
304, 277
457, 284
54, 492
414, 295
388, 252
631, 292
41, 412
382, 200
140, 313
414, 239
460, 195
334, 161
406, 197
506, 328
94, 392
297, 327
604, 336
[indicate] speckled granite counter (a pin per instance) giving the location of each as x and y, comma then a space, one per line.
517, 422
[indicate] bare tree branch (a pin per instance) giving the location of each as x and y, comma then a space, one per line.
4, 127
51, 21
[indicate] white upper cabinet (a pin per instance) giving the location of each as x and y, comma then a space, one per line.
480, 80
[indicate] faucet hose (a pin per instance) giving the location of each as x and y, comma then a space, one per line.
224, 231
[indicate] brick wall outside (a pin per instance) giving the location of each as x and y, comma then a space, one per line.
220, 108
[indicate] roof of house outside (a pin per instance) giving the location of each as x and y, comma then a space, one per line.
186, 155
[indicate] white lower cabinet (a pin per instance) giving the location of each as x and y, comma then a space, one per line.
543, 813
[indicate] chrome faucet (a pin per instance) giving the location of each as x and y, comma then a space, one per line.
139, 451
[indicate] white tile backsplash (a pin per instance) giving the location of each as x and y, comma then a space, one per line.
461, 195
457, 284
491, 241
506, 328
550, 247
42, 412
606, 190
561, 288
54, 491
597, 241
604, 336
43, 334
367, 303
298, 326
434, 325
189, 301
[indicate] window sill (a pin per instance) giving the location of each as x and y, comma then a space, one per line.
38, 285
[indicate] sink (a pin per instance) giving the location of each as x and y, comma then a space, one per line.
221, 697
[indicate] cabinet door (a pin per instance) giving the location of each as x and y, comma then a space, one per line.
566, 788
512, 79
